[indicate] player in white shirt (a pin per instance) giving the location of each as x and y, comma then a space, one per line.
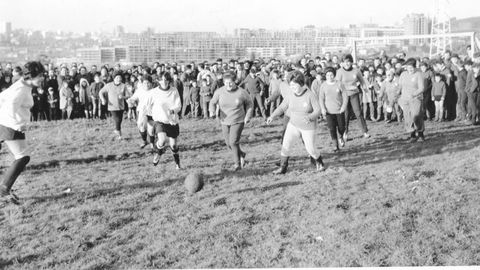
163, 106
139, 100
15, 104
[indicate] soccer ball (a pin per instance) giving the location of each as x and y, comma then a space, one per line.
194, 182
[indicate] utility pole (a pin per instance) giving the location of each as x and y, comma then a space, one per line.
440, 26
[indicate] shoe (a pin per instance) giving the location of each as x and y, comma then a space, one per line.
119, 138
283, 166
312, 161
156, 159
421, 137
10, 198
413, 137
320, 165
341, 142
143, 145
336, 150
366, 135
236, 168
242, 159
177, 167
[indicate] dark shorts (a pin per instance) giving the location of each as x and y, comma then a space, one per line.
8, 134
172, 131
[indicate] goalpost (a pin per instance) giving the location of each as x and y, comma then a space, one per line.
412, 45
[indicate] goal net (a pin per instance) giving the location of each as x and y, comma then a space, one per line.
415, 46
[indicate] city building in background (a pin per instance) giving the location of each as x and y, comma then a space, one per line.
119, 45
417, 24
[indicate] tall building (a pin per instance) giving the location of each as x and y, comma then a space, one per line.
103, 55
417, 24
8, 30
118, 31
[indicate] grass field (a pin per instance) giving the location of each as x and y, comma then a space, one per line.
381, 202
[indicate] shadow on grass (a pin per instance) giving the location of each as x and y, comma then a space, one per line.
269, 187
87, 160
96, 193
384, 149
158, 186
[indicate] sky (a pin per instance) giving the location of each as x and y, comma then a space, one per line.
214, 15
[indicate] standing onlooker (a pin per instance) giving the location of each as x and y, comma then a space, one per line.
194, 98
66, 100
254, 87
206, 95
52, 102
84, 97
473, 90
94, 91
439, 91
428, 78
460, 85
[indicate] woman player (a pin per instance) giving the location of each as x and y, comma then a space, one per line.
236, 109
163, 106
304, 109
139, 100
350, 78
15, 104
116, 94
411, 87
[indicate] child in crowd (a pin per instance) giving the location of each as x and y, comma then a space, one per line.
390, 96
131, 114
439, 90
52, 101
205, 92
194, 98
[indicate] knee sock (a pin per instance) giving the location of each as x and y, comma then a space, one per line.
176, 156
14, 171
144, 135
